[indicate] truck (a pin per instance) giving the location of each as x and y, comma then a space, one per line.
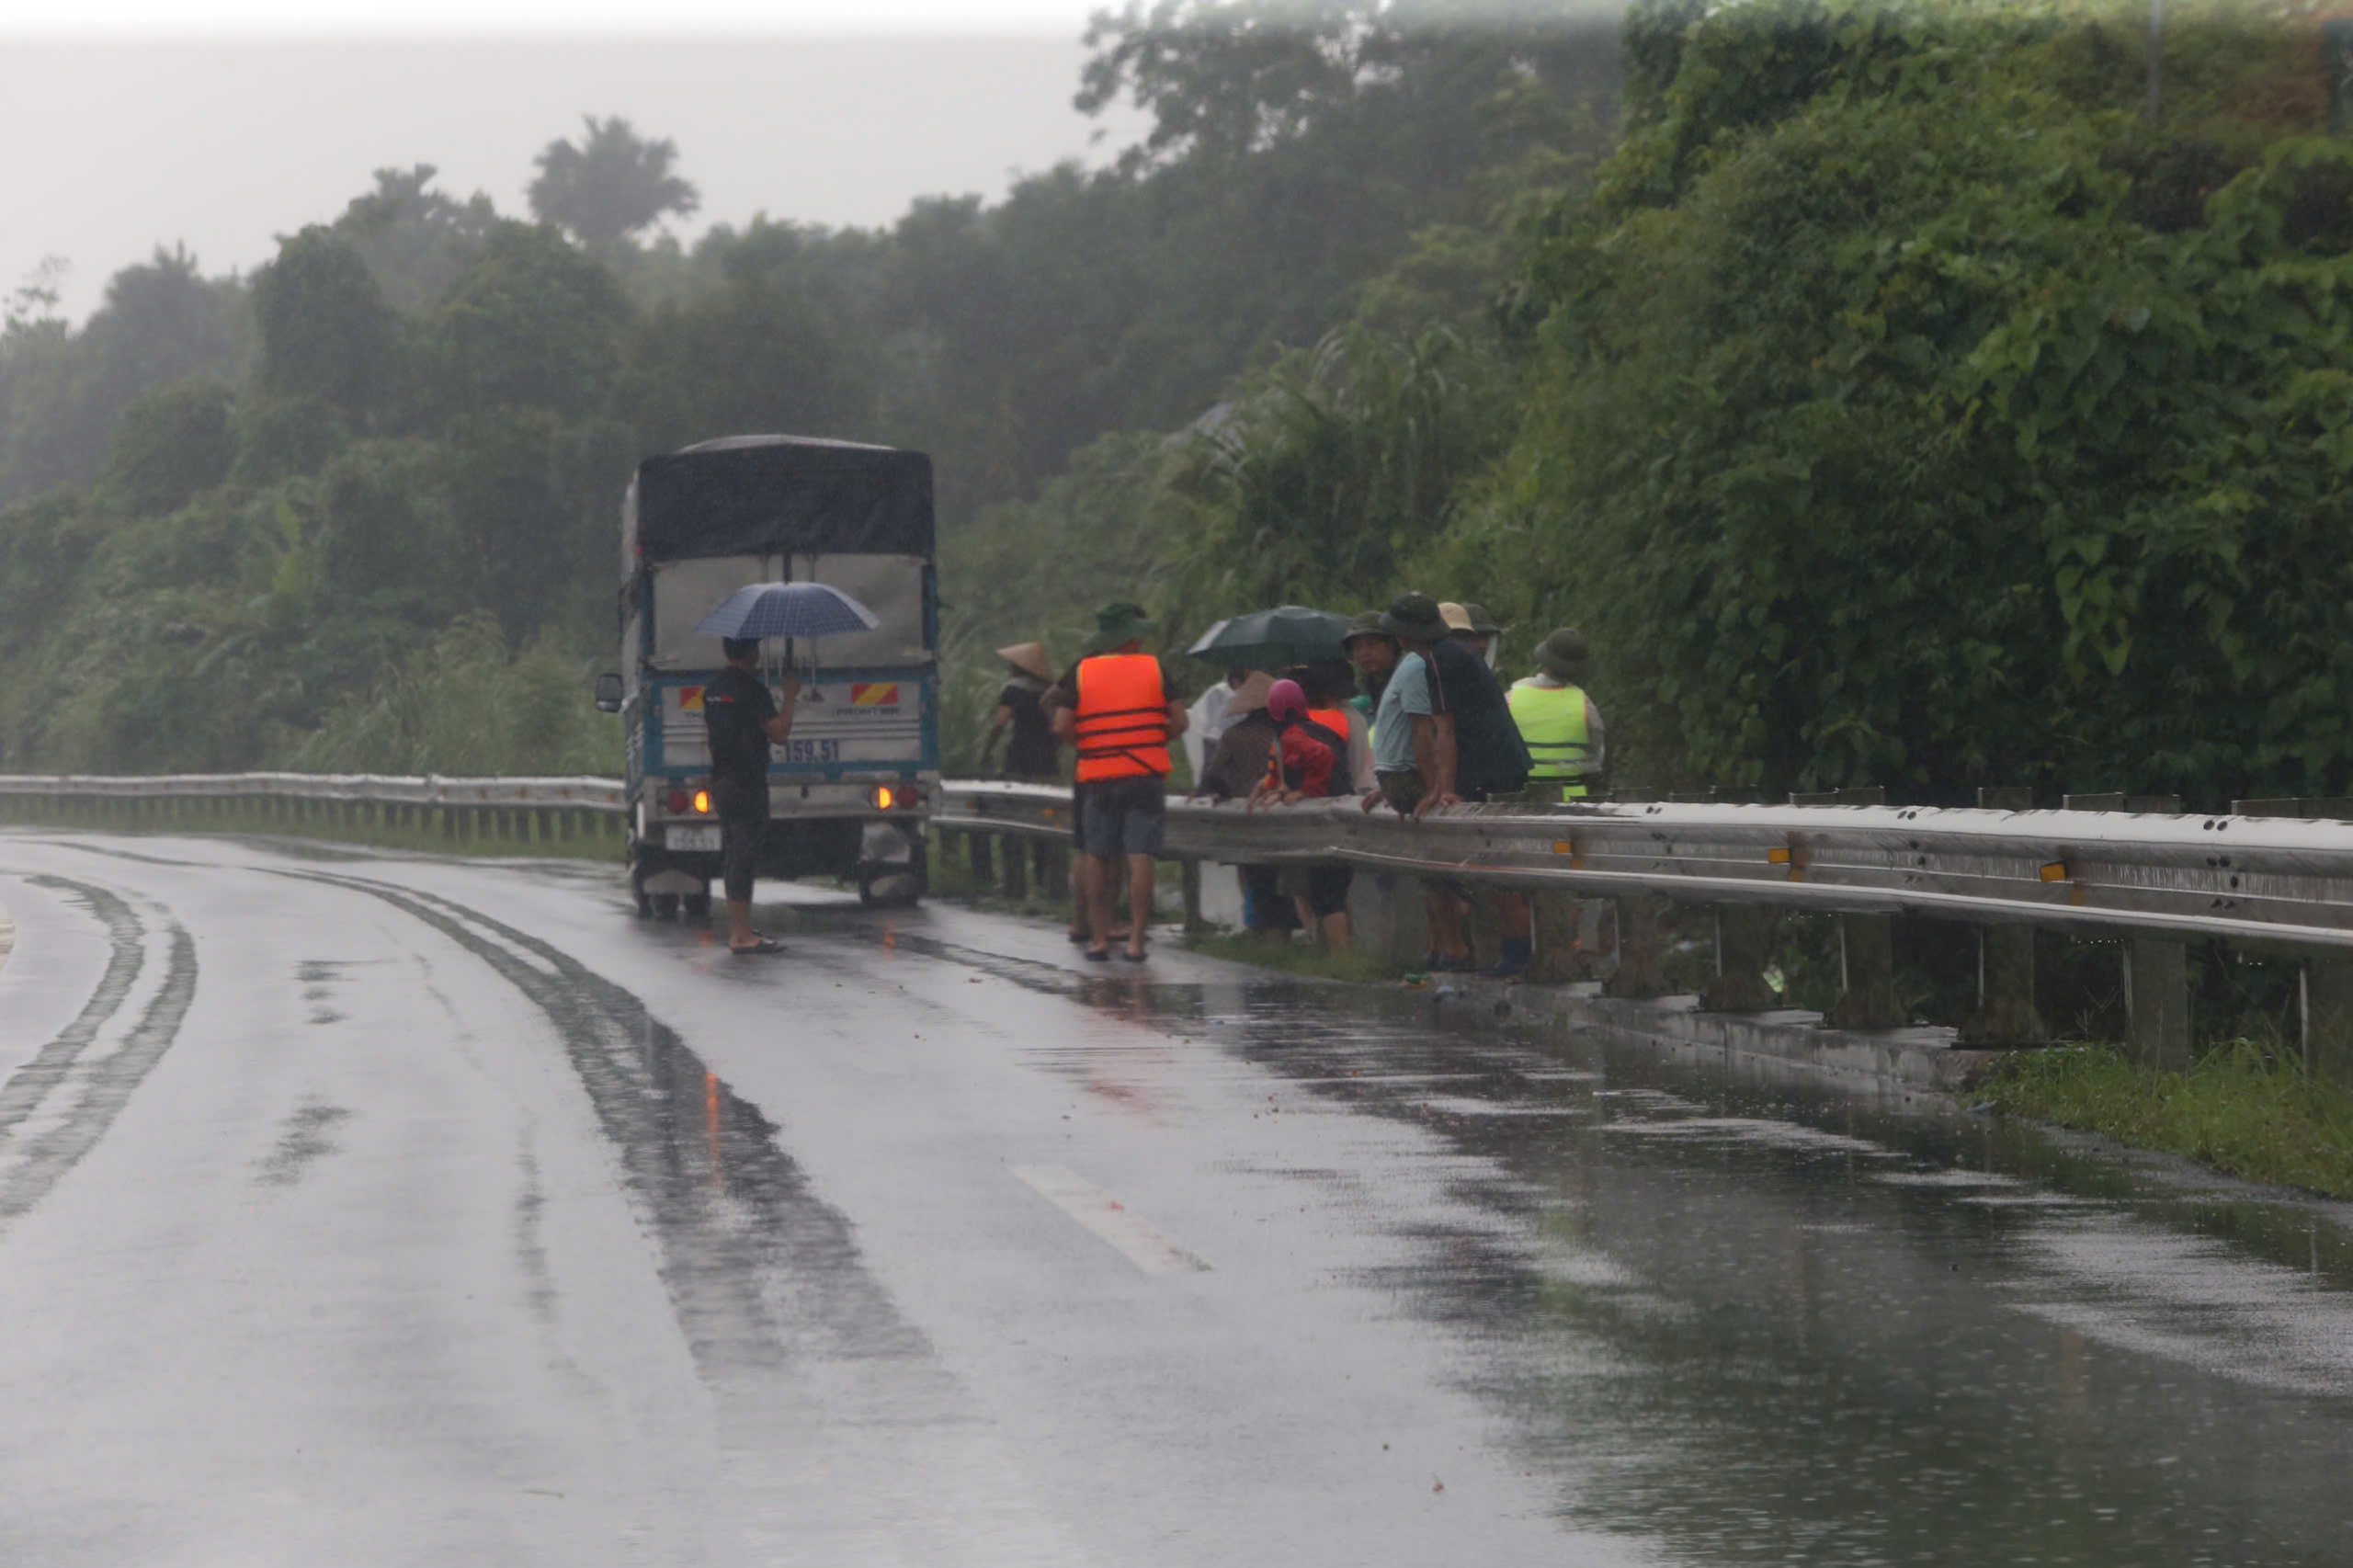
851, 794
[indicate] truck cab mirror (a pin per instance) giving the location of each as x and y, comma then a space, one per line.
609, 693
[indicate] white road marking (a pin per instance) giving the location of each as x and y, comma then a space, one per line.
7, 939
1109, 1219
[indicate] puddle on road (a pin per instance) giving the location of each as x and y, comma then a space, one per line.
1748, 1319
1755, 1321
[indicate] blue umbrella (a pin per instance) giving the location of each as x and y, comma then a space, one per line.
786, 609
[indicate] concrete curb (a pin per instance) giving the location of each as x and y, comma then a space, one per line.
1923, 1057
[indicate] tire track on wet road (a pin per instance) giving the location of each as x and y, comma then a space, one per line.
759, 1268
106, 1083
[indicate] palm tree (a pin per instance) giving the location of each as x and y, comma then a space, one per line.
613, 183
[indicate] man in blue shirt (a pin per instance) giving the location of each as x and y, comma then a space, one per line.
1414, 758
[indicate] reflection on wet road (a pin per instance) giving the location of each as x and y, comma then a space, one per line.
384, 1209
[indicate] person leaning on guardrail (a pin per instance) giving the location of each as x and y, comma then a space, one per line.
1236, 766
1413, 757
1558, 721
1489, 760
1309, 762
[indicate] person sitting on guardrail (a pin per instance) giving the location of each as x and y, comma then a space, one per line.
1309, 762
742, 720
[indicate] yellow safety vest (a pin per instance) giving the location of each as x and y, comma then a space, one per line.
1551, 721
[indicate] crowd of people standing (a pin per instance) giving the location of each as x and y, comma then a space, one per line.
1414, 719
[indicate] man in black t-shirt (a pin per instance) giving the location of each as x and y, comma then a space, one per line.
742, 722
1489, 759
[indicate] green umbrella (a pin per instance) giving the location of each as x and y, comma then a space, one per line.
1274, 639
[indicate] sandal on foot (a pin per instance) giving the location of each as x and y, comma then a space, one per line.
765, 944
1098, 955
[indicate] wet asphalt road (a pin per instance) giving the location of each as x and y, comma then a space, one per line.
369, 1210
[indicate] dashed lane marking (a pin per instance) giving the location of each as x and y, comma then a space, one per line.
1105, 1215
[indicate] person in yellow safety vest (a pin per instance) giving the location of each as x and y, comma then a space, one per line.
1558, 721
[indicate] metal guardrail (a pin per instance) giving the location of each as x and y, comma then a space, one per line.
2281, 881
580, 793
2272, 876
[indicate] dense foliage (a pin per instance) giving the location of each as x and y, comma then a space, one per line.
250, 521
1891, 394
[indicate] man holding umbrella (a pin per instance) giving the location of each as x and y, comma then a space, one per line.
742, 722
1122, 716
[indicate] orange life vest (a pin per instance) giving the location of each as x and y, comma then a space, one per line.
1335, 720
1123, 718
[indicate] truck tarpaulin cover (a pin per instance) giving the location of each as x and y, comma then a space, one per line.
779, 495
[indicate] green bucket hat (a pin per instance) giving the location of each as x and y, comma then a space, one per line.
1367, 624
1482, 622
1563, 654
1118, 623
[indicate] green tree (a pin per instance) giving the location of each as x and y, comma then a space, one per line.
530, 321
172, 443
609, 184
326, 331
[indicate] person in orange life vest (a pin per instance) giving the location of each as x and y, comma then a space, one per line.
1310, 762
1122, 718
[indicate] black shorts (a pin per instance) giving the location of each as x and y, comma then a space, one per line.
1123, 816
738, 851
1325, 887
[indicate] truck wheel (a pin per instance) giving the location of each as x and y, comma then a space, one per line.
697, 905
895, 889
666, 906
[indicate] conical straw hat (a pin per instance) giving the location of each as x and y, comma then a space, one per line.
1027, 657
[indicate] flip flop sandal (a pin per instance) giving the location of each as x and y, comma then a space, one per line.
1134, 958
765, 944
1098, 955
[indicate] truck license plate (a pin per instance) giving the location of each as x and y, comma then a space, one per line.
697, 835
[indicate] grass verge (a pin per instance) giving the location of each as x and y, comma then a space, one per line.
2240, 1109
1293, 957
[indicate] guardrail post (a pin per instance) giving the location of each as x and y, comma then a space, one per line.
2006, 1013
1188, 880
983, 848
1015, 884
1053, 868
1742, 950
2157, 972
1642, 947
2326, 994
1867, 997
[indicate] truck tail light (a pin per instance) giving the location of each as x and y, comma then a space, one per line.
677, 799
885, 797
703, 803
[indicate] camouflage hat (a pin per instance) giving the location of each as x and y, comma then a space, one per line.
1118, 623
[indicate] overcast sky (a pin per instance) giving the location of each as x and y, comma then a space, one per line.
219, 126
